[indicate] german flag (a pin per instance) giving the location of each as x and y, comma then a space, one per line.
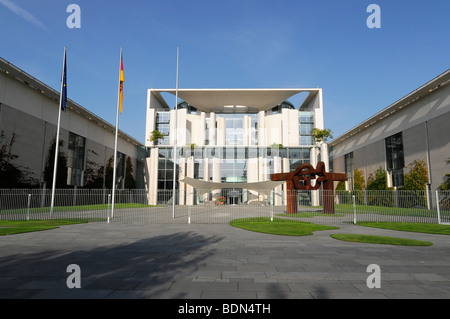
122, 79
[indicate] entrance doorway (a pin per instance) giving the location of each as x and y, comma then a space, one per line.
233, 196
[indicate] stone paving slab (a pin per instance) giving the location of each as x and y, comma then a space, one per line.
201, 261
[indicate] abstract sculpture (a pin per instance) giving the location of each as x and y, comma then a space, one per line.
300, 179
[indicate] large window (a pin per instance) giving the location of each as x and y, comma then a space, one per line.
76, 159
348, 158
306, 125
395, 160
162, 125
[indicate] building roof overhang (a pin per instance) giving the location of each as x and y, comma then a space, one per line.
234, 100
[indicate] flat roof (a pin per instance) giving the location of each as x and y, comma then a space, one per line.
239, 100
14, 72
426, 89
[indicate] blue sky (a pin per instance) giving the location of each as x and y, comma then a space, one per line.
231, 44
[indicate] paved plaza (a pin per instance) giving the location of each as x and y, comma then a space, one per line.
217, 261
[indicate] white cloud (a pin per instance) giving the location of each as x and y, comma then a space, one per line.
23, 13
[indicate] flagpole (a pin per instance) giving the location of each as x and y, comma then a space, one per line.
57, 136
115, 142
176, 138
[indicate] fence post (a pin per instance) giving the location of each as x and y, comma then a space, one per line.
28, 207
354, 210
437, 207
189, 214
273, 203
109, 204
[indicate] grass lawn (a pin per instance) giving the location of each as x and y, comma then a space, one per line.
410, 227
382, 210
279, 226
309, 214
77, 208
17, 227
380, 240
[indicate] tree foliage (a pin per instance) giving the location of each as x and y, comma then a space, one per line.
155, 136
321, 135
417, 177
377, 180
446, 184
359, 182
11, 174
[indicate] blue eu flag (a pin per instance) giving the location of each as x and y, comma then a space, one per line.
64, 86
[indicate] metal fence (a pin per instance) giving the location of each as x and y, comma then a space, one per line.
135, 206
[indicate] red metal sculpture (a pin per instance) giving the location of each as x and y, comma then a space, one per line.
300, 179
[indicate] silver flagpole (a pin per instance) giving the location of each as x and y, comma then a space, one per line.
176, 138
115, 143
57, 136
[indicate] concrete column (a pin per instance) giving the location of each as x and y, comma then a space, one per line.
315, 201
152, 164
201, 142
252, 177
324, 156
220, 131
286, 169
212, 129
182, 167
261, 128
190, 173
206, 176
216, 176
278, 190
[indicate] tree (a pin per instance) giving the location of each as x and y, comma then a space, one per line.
321, 135
446, 184
11, 174
61, 171
155, 136
93, 173
130, 183
359, 182
417, 177
377, 180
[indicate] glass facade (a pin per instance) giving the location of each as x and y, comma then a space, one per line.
162, 125
241, 158
349, 169
395, 160
233, 162
76, 159
306, 121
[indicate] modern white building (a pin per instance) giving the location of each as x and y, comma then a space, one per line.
414, 128
229, 141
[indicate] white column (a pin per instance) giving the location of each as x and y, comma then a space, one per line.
216, 176
313, 162
182, 168
202, 129
206, 176
152, 163
261, 129
212, 129
190, 173
221, 131
278, 190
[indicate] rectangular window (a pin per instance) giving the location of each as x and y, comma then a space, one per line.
76, 159
162, 125
395, 160
349, 168
306, 125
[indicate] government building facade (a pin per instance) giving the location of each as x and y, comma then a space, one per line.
228, 142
